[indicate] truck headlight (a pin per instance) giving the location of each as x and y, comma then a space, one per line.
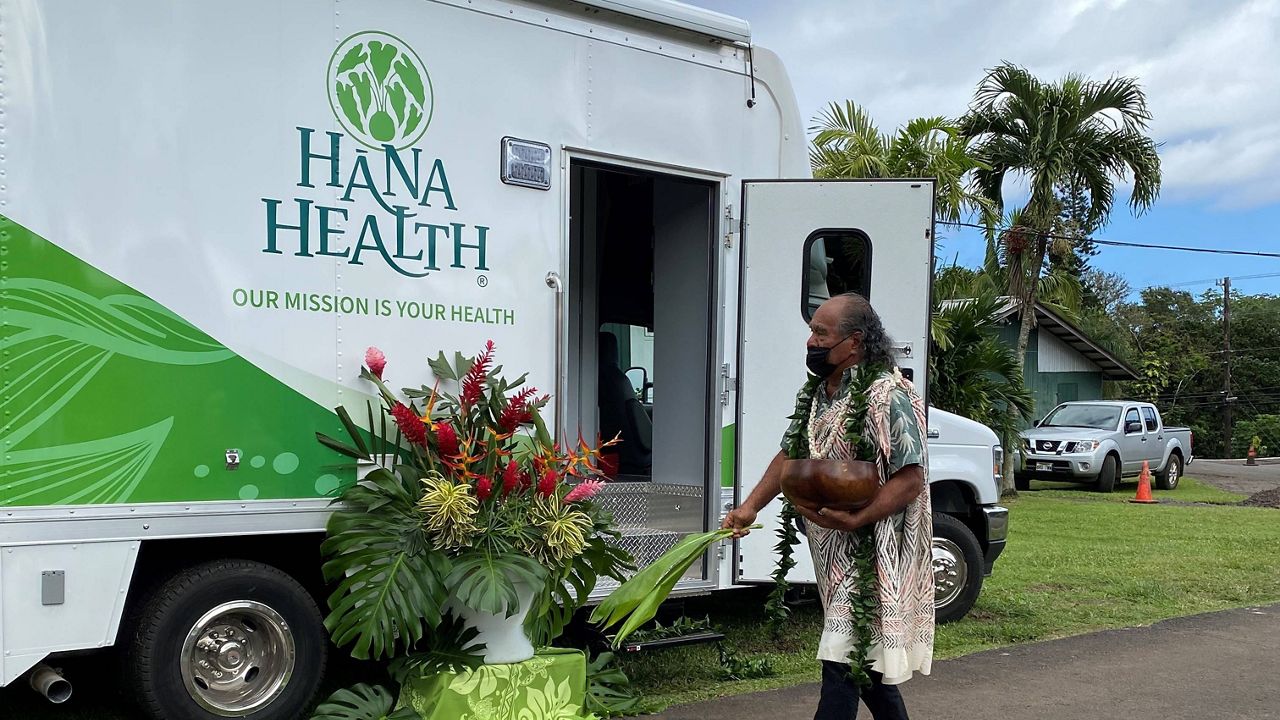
1081, 446
997, 463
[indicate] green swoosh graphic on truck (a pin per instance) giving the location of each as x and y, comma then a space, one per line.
110, 397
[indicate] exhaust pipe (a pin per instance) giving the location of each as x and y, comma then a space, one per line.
50, 683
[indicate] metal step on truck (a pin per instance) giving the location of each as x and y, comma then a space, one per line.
209, 211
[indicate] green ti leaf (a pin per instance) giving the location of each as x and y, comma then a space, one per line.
636, 601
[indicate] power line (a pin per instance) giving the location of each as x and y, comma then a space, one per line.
1120, 243
1244, 350
1208, 281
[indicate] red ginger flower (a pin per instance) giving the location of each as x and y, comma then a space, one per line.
411, 426
473, 381
484, 488
584, 490
547, 485
511, 478
517, 411
447, 440
375, 361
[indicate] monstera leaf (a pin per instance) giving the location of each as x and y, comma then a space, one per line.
485, 581
451, 647
390, 585
363, 702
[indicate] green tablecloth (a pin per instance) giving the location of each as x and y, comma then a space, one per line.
550, 686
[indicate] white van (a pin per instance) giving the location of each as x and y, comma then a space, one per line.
211, 209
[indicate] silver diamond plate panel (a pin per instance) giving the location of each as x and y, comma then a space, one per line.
635, 505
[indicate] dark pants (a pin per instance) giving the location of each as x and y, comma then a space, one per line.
839, 698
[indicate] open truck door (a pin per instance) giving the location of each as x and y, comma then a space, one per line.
804, 241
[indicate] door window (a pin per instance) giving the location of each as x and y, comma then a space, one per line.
836, 261
1132, 417
1149, 414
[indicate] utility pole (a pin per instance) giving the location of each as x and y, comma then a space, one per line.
1226, 350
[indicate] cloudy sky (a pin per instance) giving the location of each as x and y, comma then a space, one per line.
1211, 71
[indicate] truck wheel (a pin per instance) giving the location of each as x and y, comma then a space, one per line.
957, 568
1107, 477
1168, 480
229, 638
1021, 482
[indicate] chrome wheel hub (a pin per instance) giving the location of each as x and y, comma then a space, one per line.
950, 572
237, 658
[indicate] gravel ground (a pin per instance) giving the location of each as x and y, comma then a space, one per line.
1266, 498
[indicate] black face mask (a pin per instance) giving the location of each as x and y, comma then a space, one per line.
816, 359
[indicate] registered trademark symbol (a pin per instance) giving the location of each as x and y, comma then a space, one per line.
482, 281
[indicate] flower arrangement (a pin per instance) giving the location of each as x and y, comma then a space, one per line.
470, 500
471, 513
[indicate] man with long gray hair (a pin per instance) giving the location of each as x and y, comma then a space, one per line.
874, 564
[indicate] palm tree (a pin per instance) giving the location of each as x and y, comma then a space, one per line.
971, 372
847, 144
1075, 133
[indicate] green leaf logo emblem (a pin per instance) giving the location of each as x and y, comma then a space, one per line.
380, 90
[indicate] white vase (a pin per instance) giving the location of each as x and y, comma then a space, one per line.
504, 637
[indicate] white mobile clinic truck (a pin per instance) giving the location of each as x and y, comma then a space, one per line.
211, 209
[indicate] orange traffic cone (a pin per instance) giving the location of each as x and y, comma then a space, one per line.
1144, 486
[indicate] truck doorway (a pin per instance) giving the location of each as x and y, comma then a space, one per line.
642, 263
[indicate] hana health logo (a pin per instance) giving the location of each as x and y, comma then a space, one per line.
380, 90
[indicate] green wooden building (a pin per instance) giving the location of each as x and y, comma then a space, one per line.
1062, 363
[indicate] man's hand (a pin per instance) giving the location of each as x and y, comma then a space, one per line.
832, 519
738, 520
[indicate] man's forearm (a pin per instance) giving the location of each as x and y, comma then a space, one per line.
768, 487
894, 496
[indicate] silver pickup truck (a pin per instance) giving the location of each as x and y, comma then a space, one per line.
1101, 442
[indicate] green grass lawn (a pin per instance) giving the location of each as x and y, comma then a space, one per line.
1077, 561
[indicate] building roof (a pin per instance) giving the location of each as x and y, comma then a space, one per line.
1113, 368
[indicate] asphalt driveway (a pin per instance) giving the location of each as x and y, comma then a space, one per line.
1220, 666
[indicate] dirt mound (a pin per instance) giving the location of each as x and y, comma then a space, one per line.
1266, 498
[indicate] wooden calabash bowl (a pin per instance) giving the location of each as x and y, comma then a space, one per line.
836, 484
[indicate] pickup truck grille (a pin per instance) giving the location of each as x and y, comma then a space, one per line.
1045, 445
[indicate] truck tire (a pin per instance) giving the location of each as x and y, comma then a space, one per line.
1107, 476
1168, 479
957, 568
228, 638
1021, 482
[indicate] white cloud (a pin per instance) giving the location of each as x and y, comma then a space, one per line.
1211, 70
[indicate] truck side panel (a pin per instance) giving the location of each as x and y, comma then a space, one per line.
56, 597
